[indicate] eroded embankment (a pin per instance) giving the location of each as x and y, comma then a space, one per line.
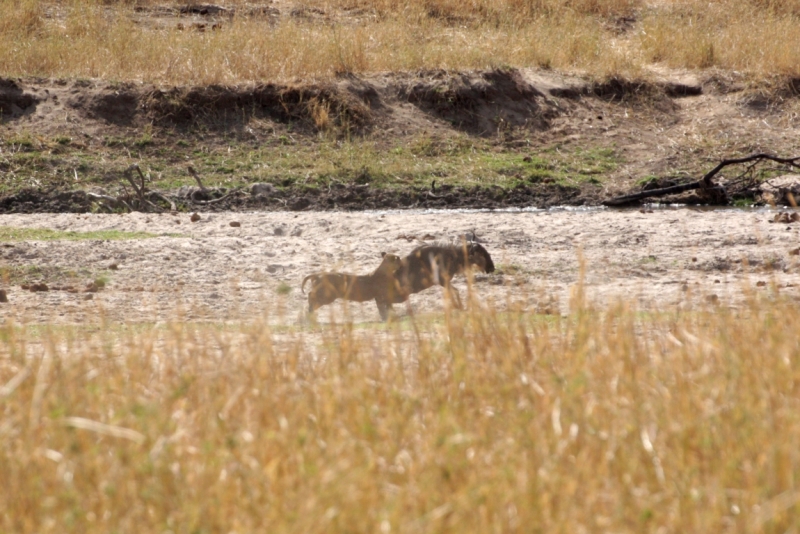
482, 139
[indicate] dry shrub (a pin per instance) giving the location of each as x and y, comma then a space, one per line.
740, 37
604, 420
320, 112
85, 39
24, 19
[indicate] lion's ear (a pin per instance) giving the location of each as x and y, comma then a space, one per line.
383, 254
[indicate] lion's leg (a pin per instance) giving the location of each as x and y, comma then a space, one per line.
446, 281
384, 309
454, 296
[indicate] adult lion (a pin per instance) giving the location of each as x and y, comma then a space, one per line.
430, 265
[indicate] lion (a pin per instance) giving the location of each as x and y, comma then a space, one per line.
430, 265
380, 286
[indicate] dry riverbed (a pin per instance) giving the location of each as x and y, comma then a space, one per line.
212, 271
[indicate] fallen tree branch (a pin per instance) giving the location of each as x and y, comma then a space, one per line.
673, 190
724, 163
172, 206
705, 183
127, 174
197, 178
220, 199
99, 197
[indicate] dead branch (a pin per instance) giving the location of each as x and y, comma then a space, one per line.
99, 197
197, 178
128, 176
672, 190
705, 183
141, 175
172, 206
220, 199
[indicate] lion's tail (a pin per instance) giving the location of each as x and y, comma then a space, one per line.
306, 279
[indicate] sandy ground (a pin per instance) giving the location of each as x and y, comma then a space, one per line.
211, 271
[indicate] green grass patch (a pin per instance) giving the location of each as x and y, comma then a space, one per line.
12, 233
51, 274
283, 160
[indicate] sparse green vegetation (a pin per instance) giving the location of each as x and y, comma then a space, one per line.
405, 161
11, 233
284, 288
26, 274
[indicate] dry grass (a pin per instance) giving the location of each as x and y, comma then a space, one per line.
83, 38
469, 422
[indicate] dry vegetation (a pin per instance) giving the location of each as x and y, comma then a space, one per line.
320, 38
603, 420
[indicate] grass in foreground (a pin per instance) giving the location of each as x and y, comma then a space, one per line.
606, 420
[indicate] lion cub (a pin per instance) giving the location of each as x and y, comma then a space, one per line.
381, 285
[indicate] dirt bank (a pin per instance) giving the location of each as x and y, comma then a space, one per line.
500, 138
211, 271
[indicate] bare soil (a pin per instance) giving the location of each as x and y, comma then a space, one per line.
210, 271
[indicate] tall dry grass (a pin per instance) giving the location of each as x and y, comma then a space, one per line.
601, 421
86, 38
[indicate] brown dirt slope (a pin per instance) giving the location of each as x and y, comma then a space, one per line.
671, 127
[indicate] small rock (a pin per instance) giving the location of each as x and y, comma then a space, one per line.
527, 159
712, 298
113, 266
272, 269
760, 283
427, 237
39, 287
716, 281
88, 296
235, 224
25, 287
95, 286
3, 296
262, 189
278, 230
794, 252
694, 259
195, 217
296, 231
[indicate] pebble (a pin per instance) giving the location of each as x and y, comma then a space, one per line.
262, 189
